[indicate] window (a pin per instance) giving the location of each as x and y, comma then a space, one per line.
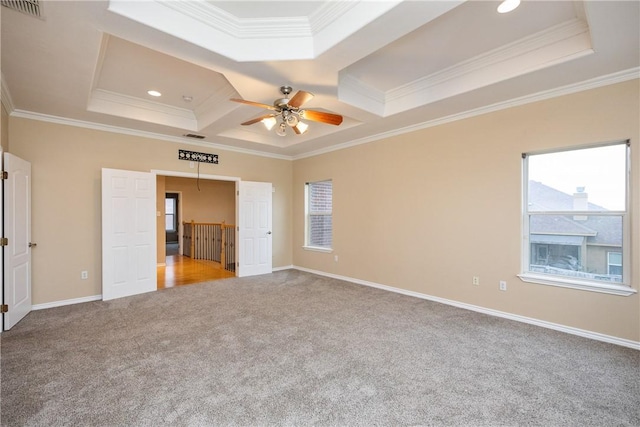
170, 214
318, 212
614, 263
575, 218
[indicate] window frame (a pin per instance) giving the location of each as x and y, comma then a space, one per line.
308, 214
624, 288
172, 215
610, 264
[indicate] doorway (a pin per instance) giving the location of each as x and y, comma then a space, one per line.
171, 223
193, 204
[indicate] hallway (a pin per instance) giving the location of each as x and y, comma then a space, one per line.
181, 270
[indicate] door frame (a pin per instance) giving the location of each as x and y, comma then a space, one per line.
1, 235
180, 219
236, 179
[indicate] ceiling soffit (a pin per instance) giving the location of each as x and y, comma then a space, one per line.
253, 39
207, 91
556, 44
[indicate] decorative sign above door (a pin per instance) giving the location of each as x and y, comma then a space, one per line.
194, 156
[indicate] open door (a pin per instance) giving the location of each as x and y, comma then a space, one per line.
17, 252
254, 236
128, 233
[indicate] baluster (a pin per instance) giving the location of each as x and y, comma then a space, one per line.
223, 255
193, 240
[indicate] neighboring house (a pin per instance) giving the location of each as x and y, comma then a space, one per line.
573, 243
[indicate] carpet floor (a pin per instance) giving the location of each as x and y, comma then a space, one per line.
296, 349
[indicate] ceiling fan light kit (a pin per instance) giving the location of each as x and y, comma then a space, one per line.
289, 112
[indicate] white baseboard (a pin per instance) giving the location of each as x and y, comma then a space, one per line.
542, 323
287, 267
66, 302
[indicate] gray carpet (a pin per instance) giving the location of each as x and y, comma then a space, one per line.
293, 348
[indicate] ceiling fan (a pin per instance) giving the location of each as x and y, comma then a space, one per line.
289, 112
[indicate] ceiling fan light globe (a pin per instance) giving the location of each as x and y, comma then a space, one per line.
292, 120
281, 130
301, 128
269, 122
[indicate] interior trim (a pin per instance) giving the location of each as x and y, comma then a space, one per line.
66, 302
574, 283
619, 77
134, 132
529, 320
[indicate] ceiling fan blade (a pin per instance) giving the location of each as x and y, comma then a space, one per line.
257, 119
320, 116
255, 104
300, 98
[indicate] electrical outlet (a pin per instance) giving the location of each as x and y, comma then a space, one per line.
84, 275
475, 280
335, 258
503, 285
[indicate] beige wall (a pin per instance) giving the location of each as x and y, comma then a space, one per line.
214, 202
428, 210
4, 129
66, 222
424, 211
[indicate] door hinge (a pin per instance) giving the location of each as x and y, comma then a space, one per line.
4, 308
4, 175
4, 241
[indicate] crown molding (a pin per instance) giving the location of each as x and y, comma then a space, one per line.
328, 13
518, 49
354, 91
242, 28
5, 95
610, 79
115, 104
614, 78
560, 43
253, 39
133, 132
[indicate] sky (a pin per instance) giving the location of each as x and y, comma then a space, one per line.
600, 170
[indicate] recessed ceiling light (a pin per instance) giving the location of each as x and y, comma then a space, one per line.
154, 93
508, 5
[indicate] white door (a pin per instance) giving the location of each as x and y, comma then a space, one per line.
17, 253
128, 233
254, 237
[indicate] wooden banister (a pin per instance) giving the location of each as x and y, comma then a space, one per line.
209, 240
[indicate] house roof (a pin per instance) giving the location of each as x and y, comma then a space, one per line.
386, 66
598, 230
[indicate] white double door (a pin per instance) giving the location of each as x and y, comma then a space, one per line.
129, 221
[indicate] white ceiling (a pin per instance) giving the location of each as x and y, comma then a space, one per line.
386, 66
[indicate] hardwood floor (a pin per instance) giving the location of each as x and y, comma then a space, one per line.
181, 270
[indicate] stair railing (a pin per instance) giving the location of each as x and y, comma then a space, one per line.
211, 241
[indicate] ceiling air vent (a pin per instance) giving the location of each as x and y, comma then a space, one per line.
193, 135
30, 7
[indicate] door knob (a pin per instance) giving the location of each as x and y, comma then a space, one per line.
268, 232
32, 245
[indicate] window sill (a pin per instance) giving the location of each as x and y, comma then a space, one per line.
584, 285
317, 249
